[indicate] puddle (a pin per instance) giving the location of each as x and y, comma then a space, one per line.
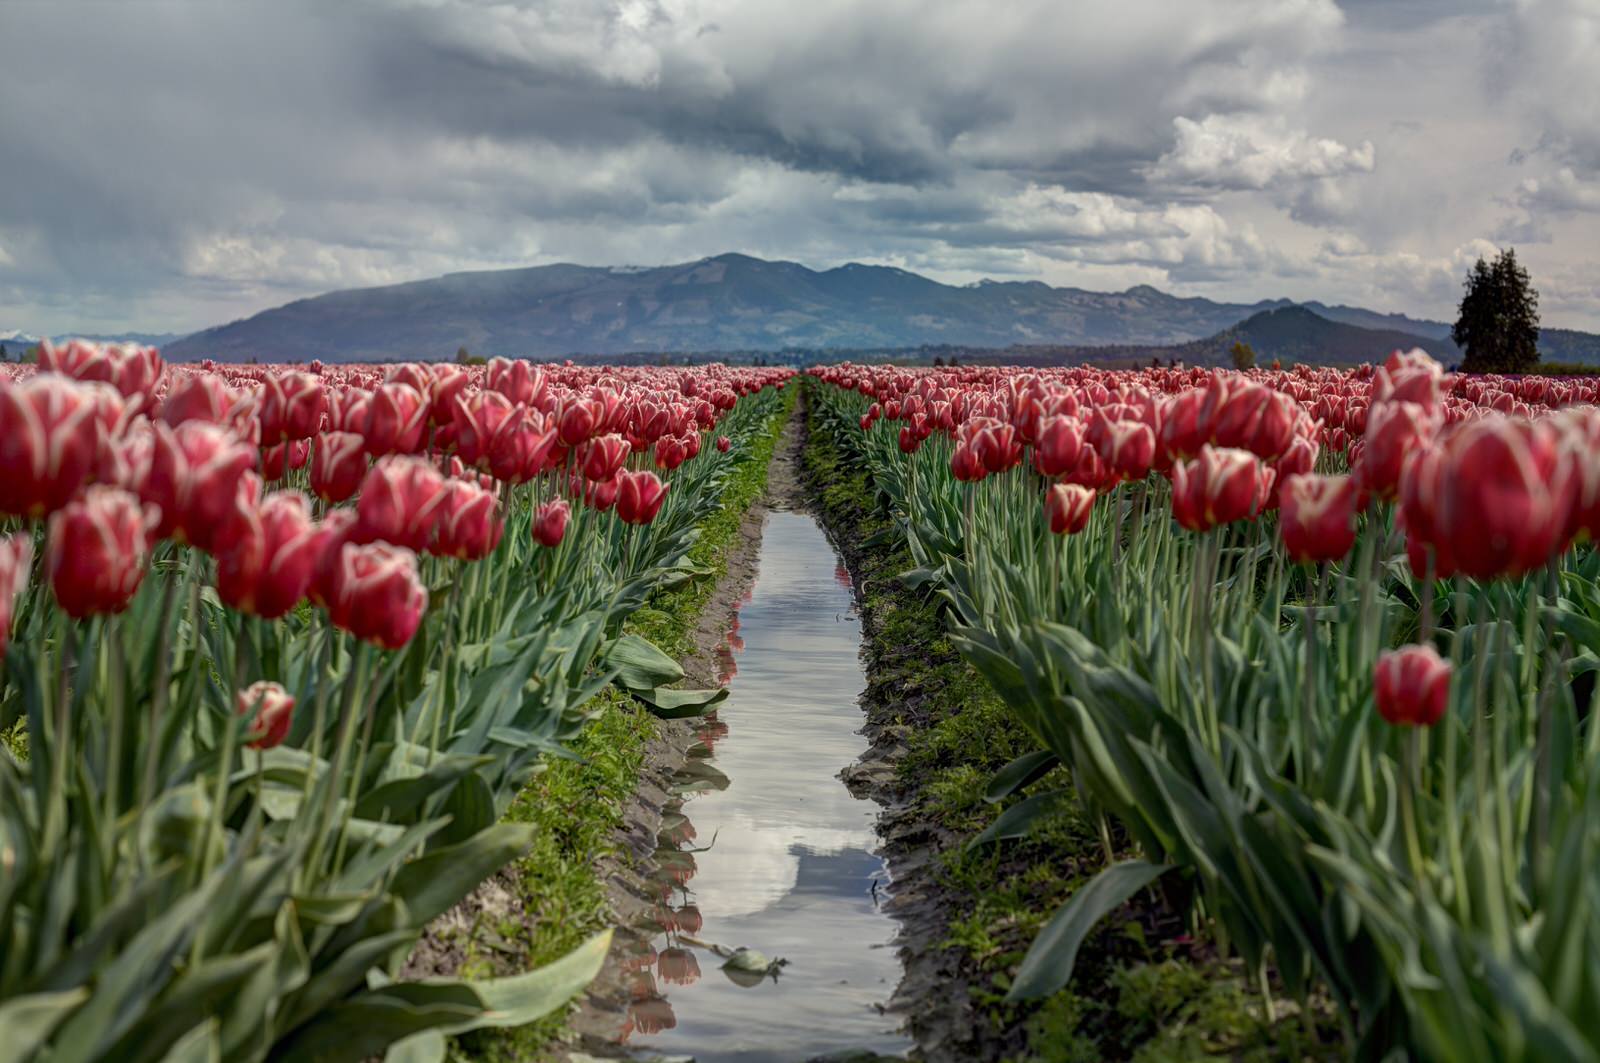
765, 849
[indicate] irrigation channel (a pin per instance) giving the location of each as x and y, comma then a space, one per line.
763, 849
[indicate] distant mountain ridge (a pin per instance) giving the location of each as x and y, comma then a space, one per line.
734, 302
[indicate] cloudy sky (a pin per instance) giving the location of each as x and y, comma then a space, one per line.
167, 166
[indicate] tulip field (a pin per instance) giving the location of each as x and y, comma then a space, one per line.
1317, 649
281, 645
1314, 650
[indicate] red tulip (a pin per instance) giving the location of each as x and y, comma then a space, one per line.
521, 447
338, 465
276, 462
670, 453
1059, 443
449, 383
396, 420
1181, 434
477, 419
292, 406
194, 474
1411, 686
1252, 417
723, 443
197, 397
375, 594
1220, 486
98, 550
267, 565
599, 496
1128, 449
348, 410
1067, 508
327, 541
639, 496
469, 527
401, 500
49, 442
269, 709
513, 379
579, 420
1505, 494
1394, 429
1409, 376
16, 557
1317, 516
131, 369
550, 523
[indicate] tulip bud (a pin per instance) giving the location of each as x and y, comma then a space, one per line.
601, 457
579, 419
1067, 508
1394, 429
400, 503
723, 443
639, 496
1220, 486
375, 594
267, 565
469, 528
269, 709
338, 465
550, 524
1059, 441
49, 442
16, 555
513, 379
197, 397
1411, 686
194, 474
670, 453
396, 419
1317, 516
292, 405
276, 462
1128, 449
98, 550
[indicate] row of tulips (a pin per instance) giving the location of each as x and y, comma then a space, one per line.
267, 733
1320, 645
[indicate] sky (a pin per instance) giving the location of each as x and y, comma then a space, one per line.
169, 166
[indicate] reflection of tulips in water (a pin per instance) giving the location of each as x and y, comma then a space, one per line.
676, 828
689, 919
711, 731
637, 955
651, 1016
677, 966
679, 867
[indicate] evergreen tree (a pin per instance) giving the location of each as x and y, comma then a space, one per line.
1243, 355
1498, 327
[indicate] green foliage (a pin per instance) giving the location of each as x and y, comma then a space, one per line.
1498, 323
1242, 355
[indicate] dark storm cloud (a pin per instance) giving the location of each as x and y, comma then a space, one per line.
174, 163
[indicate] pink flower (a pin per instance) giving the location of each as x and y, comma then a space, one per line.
269, 709
98, 550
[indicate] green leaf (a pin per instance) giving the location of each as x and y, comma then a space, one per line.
672, 703
432, 884
640, 664
1018, 821
1048, 964
1020, 773
28, 1021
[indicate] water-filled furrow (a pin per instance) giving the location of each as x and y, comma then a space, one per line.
768, 940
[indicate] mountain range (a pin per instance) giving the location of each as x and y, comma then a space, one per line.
736, 303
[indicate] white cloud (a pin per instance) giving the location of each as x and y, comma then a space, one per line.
1252, 152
